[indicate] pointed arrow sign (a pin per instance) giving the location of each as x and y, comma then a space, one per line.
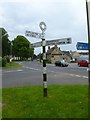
53, 42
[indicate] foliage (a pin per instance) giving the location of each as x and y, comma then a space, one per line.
21, 48
8, 59
48, 61
5, 42
40, 56
64, 101
31, 50
4, 62
34, 56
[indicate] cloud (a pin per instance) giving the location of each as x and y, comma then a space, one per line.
65, 18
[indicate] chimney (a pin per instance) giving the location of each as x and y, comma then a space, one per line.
55, 46
48, 47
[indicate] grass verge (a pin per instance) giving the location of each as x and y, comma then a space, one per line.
12, 64
65, 101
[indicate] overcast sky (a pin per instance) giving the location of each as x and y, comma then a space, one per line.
64, 18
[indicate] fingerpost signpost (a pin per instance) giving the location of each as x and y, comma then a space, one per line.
45, 43
42, 26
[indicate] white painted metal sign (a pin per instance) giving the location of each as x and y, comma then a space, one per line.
33, 34
53, 42
37, 44
59, 41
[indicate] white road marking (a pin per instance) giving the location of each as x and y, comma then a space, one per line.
74, 75
77, 75
85, 77
7, 71
19, 70
12, 71
32, 68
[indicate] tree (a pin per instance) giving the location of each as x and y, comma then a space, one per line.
21, 47
34, 56
31, 50
5, 42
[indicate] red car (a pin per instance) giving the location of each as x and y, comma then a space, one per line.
83, 63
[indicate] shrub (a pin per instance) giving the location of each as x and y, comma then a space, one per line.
0, 63
48, 61
8, 59
4, 62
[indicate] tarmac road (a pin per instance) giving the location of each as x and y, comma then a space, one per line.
31, 74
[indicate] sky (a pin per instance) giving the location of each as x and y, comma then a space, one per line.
63, 18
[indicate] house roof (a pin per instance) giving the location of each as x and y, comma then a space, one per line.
49, 51
66, 53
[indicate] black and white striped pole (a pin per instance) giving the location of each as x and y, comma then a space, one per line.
43, 28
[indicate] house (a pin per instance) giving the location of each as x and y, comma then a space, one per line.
54, 54
75, 55
84, 55
66, 55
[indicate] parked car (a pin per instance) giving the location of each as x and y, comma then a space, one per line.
83, 63
61, 63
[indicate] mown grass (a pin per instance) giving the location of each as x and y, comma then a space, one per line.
62, 102
0, 103
12, 64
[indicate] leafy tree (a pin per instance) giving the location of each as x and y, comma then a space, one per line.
4, 41
40, 56
31, 52
21, 48
34, 56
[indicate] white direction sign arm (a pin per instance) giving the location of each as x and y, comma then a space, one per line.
33, 34
59, 41
53, 42
37, 44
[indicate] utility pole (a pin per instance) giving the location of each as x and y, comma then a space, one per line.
88, 29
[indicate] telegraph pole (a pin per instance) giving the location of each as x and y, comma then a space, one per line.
88, 29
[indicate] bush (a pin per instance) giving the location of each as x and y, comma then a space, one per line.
4, 62
48, 61
8, 59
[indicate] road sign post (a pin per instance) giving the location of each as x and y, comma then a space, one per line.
43, 28
45, 43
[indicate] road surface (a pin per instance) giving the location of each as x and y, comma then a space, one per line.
31, 73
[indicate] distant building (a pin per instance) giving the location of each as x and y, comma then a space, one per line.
54, 54
75, 55
84, 57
